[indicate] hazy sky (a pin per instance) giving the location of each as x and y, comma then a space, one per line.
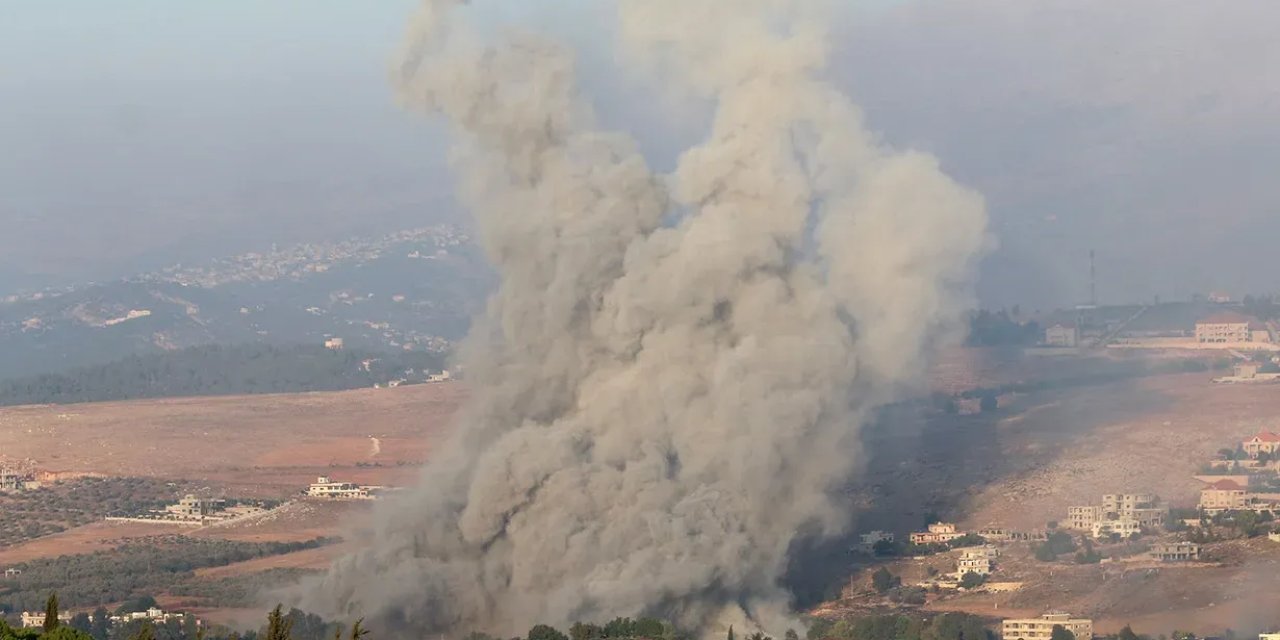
137, 131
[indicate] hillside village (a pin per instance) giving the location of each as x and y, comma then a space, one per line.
942, 566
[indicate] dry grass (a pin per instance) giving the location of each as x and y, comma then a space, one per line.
269, 446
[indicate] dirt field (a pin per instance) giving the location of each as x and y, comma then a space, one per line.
269, 446
85, 539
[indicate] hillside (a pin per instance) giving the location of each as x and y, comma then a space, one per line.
414, 290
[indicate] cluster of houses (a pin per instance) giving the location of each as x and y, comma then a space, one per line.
1236, 492
1121, 514
35, 619
1042, 628
13, 480
196, 511
1226, 329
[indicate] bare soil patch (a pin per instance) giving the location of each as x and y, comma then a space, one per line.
262, 445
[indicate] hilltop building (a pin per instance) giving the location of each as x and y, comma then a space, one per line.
1230, 327
938, 533
1230, 495
979, 560
978, 565
1262, 442
333, 344
325, 487
1042, 628
1119, 513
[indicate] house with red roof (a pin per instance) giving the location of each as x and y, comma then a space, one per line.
1262, 442
1224, 495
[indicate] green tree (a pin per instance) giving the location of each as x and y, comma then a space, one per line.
141, 603
147, 631
619, 628
1061, 633
82, 622
65, 632
884, 548
971, 580
101, 625
51, 613
791, 635
581, 631
819, 629
730, 634
1127, 634
648, 628
883, 581
279, 627
545, 632
956, 626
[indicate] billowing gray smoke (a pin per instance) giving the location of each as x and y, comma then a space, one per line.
673, 372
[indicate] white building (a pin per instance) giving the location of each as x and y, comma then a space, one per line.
938, 533
1042, 628
1124, 526
980, 565
325, 487
153, 614
334, 344
32, 620
193, 508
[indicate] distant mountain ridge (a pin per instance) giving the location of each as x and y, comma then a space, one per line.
414, 290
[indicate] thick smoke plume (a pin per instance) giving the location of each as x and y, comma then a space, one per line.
673, 372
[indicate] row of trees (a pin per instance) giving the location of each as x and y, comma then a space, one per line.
140, 567
219, 370
948, 626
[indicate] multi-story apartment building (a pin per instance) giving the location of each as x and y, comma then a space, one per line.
1042, 628
1223, 495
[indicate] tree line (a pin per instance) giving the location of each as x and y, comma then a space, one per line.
220, 370
132, 570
